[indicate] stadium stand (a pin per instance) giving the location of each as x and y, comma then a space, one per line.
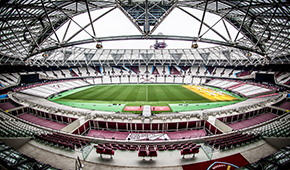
277, 160
11, 127
7, 105
285, 105
232, 141
248, 119
252, 121
278, 127
41, 121
283, 78
8, 80
186, 134
45, 90
12, 159
62, 141
190, 150
115, 131
245, 89
222, 83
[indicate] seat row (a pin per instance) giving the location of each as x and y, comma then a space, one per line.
281, 129
6, 130
105, 151
176, 146
55, 142
279, 160
135, 147
12, 159
190, 150
147, 150
232, 141
62, 141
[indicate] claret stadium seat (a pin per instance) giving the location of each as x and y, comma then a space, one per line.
190, 150
100, 150
152, 153
109, 151
143, 153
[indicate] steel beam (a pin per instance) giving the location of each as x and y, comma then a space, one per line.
202, 19
28, 29
243, 21
82, 28
204, 23
266, 27
89, 13
50, 23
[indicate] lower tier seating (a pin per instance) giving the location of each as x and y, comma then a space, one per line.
252, 121
279, 160
285, 105
62, 141
7, 106
232, 141
105, 151
278, 128
190, 150
188, 134
8, 129
135, 147
42, 121
149, 151
12, 159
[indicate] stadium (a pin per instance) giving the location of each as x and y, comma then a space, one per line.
144, 84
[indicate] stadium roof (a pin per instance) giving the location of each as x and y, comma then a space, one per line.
29, 32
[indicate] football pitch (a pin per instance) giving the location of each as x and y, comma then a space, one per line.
116, 97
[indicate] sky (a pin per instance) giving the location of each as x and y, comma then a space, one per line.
116, 23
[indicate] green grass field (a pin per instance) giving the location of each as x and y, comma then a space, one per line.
136, 93
116, 97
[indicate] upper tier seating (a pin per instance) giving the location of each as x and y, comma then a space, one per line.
249, 89
46, 90
8, 79
8, 129
283, 78
222, 83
